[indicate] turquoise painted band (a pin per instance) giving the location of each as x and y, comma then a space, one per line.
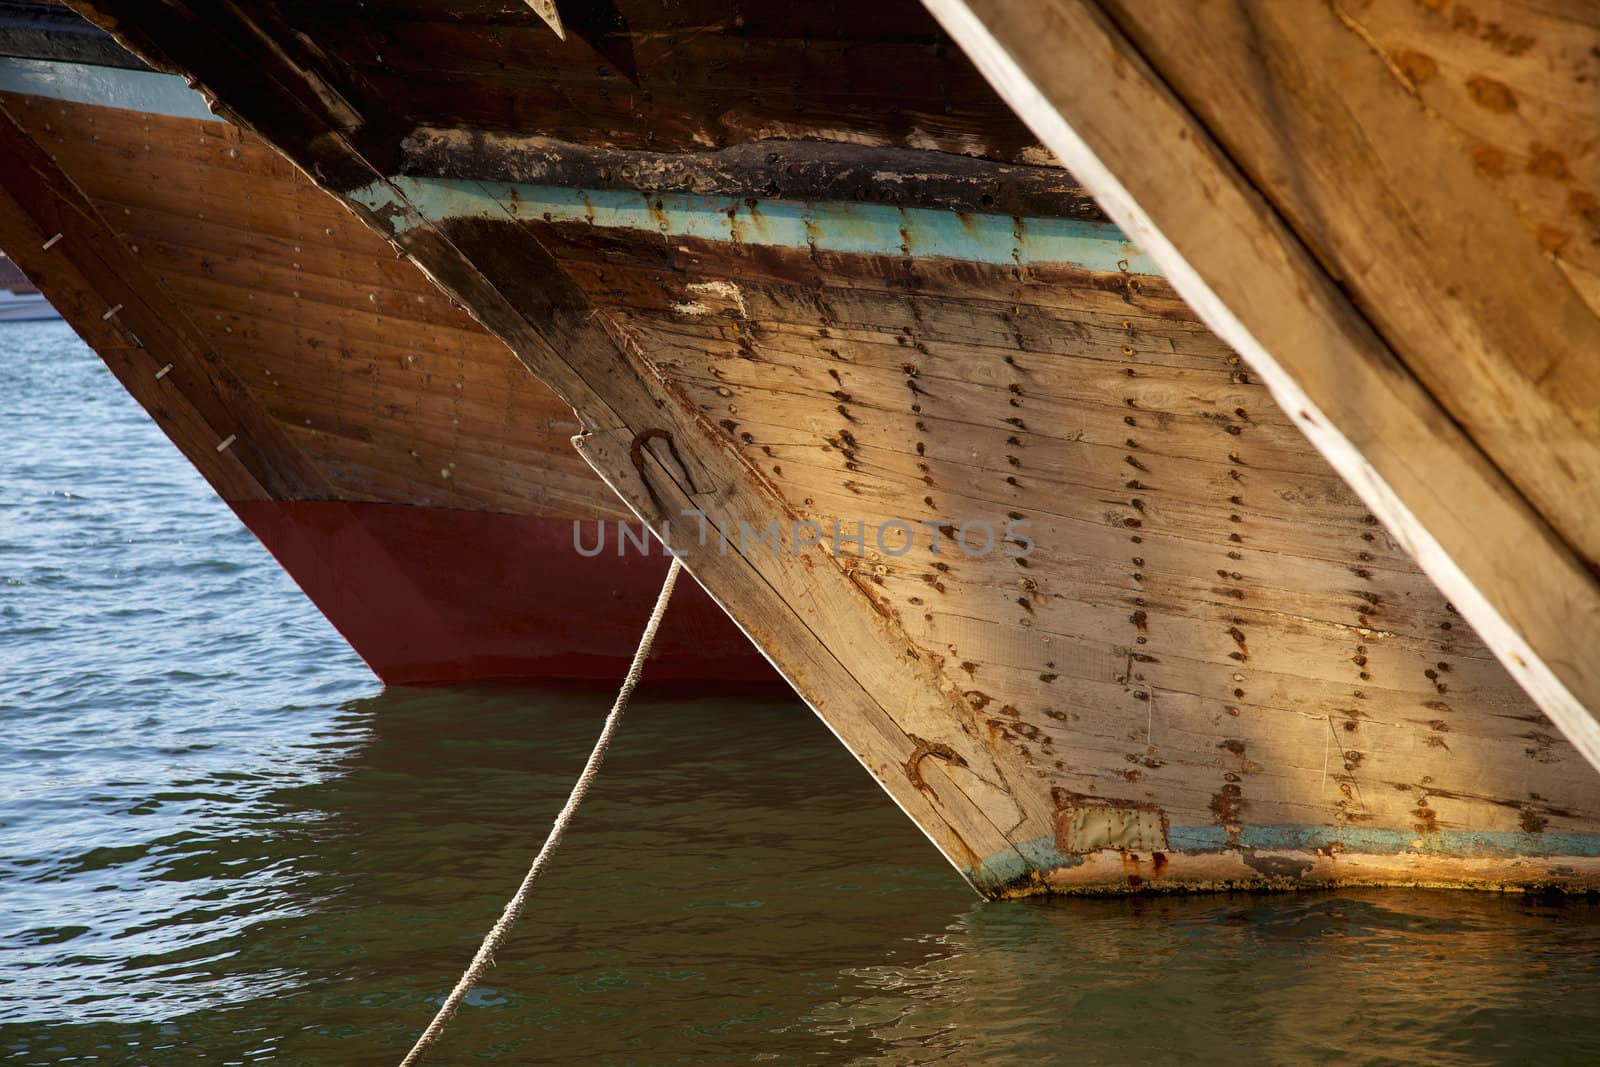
79, 83
1041, 854
827, 226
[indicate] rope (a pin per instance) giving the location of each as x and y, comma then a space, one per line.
484, 959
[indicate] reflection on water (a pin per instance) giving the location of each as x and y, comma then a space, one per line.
730, 861
1365, 977
734, 891
220, 842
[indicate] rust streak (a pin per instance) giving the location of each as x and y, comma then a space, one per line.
923, 750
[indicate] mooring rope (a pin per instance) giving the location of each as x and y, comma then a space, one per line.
508, 918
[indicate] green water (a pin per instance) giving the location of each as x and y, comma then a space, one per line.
222, 842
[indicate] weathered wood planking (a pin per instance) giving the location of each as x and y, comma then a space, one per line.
69, 248
1219, 239
659, 77
1311, 650
794, 170
892, 707
1286, 639
1391, 202
1517, 82
354, 360
1250, 697
439, 538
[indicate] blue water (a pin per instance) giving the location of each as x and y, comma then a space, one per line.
221, 842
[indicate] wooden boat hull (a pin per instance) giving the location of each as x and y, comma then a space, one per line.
431, 594
1082, 593
459, 569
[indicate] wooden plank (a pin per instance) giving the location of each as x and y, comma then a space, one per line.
772, 74
390, 391
227, 427
1515, 82
789, 170
1159, 174
1389, 202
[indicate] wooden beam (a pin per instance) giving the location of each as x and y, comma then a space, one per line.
1393, 206
1100, 106
77, 259
770, 169
43, 31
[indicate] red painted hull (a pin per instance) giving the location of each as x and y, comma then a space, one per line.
437, 595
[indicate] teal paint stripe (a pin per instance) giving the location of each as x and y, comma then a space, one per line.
1014, 865
829, 226
132, 90
1464, 844
1040, 854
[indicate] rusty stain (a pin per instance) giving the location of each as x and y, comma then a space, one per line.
1491, 95
757, 219
653, 207
1583, 204
1543, 750
813, 233
1545, 162
1227, 806
1553, 240
924, 749
1418, 67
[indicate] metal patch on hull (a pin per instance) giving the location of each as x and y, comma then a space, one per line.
1092, 827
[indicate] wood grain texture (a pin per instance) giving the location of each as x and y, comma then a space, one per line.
382, 389
1393, 206
865, 677
1194, 617
1253, 280
198, 399
1516, 82
793, 170
663, 77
